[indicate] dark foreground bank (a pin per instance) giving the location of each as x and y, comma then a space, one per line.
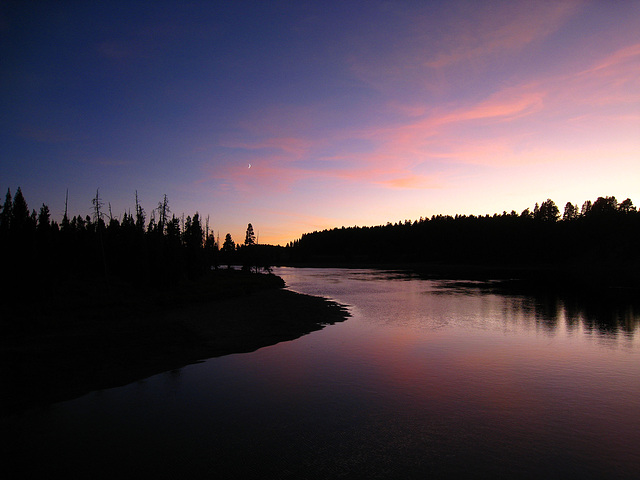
63, 353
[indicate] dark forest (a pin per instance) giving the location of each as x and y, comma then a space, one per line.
599, 239
159, 250
99, 259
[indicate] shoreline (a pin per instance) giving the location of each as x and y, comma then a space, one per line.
39, 370
589, 277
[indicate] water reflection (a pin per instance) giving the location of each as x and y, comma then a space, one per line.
610, 313
478, 374
426, 379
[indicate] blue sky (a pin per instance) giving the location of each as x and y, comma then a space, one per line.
349, 113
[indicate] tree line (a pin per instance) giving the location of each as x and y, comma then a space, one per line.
160, 249
156, 249
603, 232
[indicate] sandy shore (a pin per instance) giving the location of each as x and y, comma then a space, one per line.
55, 365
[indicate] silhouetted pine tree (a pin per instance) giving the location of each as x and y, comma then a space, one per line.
20, 218
6, 213
140, 215
250, 237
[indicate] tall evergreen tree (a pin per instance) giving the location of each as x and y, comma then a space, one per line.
626, 206
5, 215
65, 217
44, 219
547, 212
229, 245
604, 206
163, 212
20, 218
152, 227
140, 216
250, 237
173, 228
193, 234
570, 211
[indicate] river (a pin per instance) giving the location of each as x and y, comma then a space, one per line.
425, 378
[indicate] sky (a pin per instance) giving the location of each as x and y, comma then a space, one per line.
301, 116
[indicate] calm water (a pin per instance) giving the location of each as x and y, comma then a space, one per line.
425, 378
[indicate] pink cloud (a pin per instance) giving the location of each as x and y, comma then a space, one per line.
512, 126
297, 147
392, 164
408, 110
270, 172
414, 59
411, 182
505, 105
435, 135
611, 65
613, 80
518, 25
520, 115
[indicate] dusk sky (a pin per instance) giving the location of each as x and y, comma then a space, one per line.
348, 113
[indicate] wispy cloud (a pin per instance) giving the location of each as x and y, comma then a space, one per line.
505, 105
488, 32
413, 182
392, 163
290, 146
514, 125
613, 80
469, 37
618, 62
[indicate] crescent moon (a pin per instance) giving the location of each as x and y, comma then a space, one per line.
249, 166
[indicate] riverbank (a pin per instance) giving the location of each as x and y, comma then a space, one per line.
66, 353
